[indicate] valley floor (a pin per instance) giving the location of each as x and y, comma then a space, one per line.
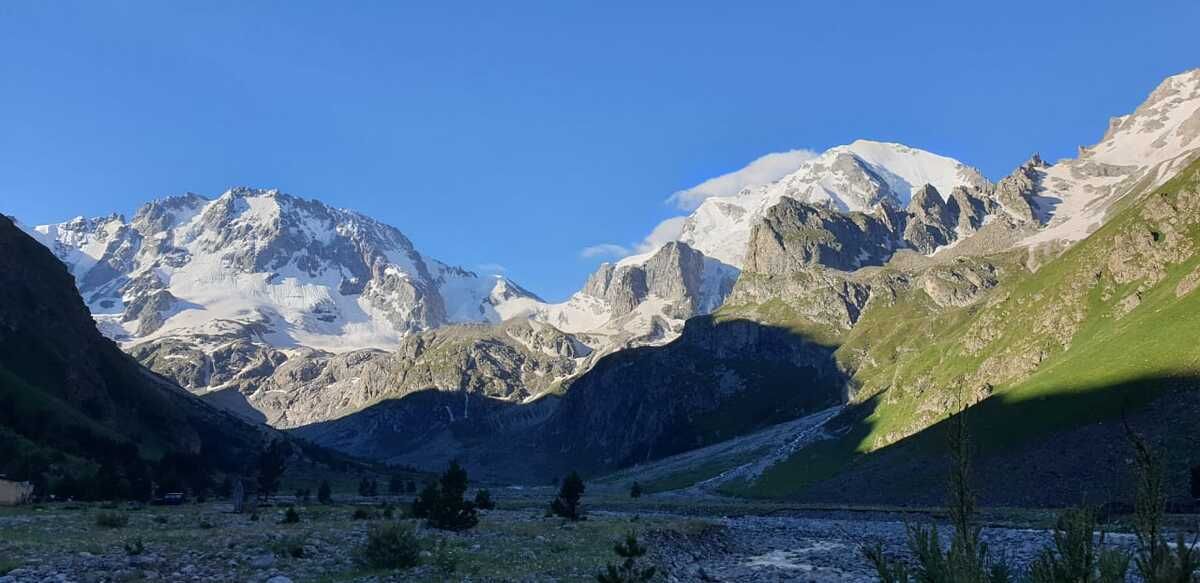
704, 539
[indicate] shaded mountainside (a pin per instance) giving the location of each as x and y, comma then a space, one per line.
720, 379
71, 399
1053, 360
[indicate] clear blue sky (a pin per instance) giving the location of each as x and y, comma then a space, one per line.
518, 133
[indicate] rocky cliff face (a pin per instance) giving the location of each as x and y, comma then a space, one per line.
289, 388
719, 379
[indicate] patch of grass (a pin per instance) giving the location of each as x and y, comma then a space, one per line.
112, 520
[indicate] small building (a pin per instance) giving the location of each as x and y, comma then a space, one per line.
15, 493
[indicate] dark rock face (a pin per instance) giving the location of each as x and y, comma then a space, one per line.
930, 222
796, 234
50, 349
717, 380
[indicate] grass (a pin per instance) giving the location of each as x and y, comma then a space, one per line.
910, 356
507, 544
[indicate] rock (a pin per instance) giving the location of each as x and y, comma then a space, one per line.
262, 561
279, 579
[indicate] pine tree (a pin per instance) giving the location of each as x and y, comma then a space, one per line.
451, 511
635, 491
324, 493
566, 504
271, 464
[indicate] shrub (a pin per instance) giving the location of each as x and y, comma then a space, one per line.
426, 500
566, 504
135, 547
160, 519
1155, 560
635, 491
388, 511
289, 547
628, 571
483, 500
362, 514
324, 493
206, 525
291, 516
1077, 555
967, 559
112, 520
390, 546
368, 488
445, 559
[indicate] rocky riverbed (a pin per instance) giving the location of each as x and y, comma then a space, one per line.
767, 549
65, 543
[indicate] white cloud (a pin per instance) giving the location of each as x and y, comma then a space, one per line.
604, 250
764, 170
491, 268
666, 231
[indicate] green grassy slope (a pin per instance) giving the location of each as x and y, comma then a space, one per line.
1104, 328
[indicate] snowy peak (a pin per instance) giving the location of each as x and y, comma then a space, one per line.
1166, 125
1138, 152
292, 271
860, 176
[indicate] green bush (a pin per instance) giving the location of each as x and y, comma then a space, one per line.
291, 516
135, 547
390, 546
483, 500
1078, 554
628, 571
289, 547
112, 520
967, 560
445, 559
362, 514
1156, 560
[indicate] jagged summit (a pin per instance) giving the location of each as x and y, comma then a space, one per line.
294, 271
859, 176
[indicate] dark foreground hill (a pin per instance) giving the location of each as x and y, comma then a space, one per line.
73, 406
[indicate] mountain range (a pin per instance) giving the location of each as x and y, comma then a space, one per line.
889, 281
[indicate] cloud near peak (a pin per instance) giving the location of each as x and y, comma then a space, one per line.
665, 232
764, 170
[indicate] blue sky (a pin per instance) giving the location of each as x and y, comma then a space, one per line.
520, 133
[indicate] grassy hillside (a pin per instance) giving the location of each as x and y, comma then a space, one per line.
1102, 330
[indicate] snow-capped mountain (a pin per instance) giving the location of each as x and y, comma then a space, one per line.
645, 298
1140, 151
858, 177
288, 271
